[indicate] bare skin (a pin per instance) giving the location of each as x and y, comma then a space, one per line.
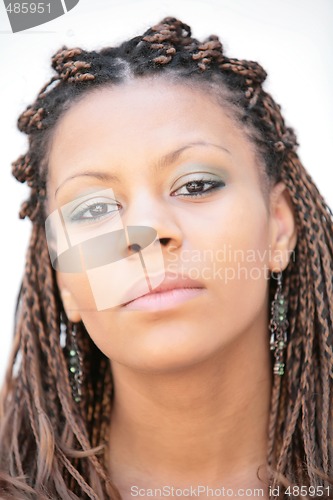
192, 383
204, 426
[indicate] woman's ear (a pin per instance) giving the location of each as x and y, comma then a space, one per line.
283, 233
69, 303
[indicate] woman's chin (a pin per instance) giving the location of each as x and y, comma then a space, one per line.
166, 357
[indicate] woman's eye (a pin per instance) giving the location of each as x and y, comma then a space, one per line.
93, 211
198, 187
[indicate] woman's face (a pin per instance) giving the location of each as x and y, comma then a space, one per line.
151, 147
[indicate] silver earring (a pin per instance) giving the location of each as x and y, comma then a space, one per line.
278, 327
75, 363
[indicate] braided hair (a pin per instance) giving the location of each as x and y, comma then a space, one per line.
50, 446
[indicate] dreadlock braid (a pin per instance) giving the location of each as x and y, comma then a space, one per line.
210, 50
38, 416
69, 67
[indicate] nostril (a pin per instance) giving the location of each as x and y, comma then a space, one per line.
135, 247
164, 241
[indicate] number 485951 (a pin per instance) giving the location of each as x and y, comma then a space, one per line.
311, 491
28, 8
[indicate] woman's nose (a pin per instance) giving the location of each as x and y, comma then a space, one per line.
150, 212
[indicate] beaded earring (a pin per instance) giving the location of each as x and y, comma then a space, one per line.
75, 363
278, 327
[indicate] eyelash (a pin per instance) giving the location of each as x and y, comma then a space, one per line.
89, 205
216, 184
77, 218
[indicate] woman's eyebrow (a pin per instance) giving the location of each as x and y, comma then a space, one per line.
101, 176
163, 162
170, 158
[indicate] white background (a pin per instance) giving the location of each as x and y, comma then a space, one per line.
292, 39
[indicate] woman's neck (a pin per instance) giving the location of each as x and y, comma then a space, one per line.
206, 424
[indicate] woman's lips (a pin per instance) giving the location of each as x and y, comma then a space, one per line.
160, 301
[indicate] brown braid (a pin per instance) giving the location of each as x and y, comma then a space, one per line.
51, 447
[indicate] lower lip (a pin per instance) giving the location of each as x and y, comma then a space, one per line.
163, 300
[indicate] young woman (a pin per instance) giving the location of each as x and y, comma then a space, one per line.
174, 325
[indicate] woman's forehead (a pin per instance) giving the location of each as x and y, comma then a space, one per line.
143, 114
127, 130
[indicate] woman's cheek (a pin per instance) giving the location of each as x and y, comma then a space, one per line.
82, 300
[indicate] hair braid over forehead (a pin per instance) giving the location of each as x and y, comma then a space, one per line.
38, 416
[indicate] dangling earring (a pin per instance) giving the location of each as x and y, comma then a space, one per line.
278, 327
75, 363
